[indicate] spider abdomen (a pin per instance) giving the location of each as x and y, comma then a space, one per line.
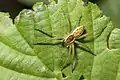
78, 31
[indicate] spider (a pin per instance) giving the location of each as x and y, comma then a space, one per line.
71, 40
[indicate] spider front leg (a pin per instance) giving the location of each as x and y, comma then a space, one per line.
55, 41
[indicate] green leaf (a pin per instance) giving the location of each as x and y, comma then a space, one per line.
21, 57
106, 64
16, 54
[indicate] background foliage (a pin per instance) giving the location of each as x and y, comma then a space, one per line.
20, 59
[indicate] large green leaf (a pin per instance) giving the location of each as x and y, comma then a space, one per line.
20, 58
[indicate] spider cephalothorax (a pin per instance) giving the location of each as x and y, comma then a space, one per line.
69, 39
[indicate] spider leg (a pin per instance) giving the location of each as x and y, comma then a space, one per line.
78, 23
73, 50
83, 41
54, 42
74, 57
85, 48
82, 36
60, 39
44, 33
57, 43
69, 53
70, 49
68, 19
48, 35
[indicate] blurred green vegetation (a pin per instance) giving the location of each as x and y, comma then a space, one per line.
109, 7
31, 2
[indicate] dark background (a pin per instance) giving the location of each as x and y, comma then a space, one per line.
11, 6
109, 7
